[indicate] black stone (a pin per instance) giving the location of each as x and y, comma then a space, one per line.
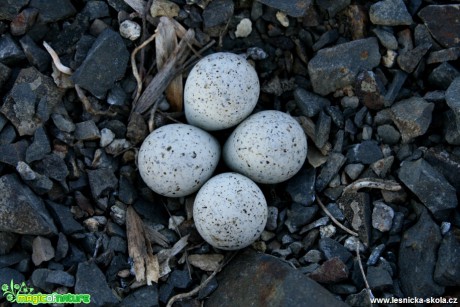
10, 53
216, 16
361, 299
36, 56
90, 280
409, 60
87, 131
263, 280
180, 279
399, 78
447, 270
326, 39
430, 186
443, 75
299, 215
39, 147
64, 218
390, 13
102, 181
333, 164
146, 296
294, 8
53, 167
208, 289
301, 187
109, 52
127, 192
83, 46
165, 292
67, 38
443, 23
336, 115
7, 276
95, 9
60, 278
12, 258
308, 103
5, 73
74, 256
332, 248
10, 8
38, 280
7, 241
322, 129
367, 152
16, 204
387, 39
446, 163
13, 153
53, 10
62, 247
118, 244
417, 258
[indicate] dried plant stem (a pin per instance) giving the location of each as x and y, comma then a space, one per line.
320, 203
373, 183
362, 271
134, 66
182, 296
57, 62
87, 104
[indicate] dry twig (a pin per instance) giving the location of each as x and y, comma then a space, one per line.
334, 219
373, 183
87, 104
362, 271
182, 296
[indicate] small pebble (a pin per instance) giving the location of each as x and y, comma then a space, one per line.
107, 136
382, 216
445, 227
327, 231
350, 244
244, 28
282, 18
130, 30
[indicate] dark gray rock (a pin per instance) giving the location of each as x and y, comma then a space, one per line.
7, 241
108, 52
330, 272
60, 278
5, 73
447, 271
445, 55
39, 147
64, 218
10, 8
13, 153
422, 35
13, 258
294, 8
443, 75
263, 280
87, 131
387, 39
38, 280
74, 256
63, 122
356, 207
8, 275
336, 67
451, 132
10, 53
326, 39
412, 117
146, 296
361, 299
453, 99
101, 181
336, 115
180, 279
118, 245
399, 78
62, 247
366, 152
90, 280
301, 187
446, 163
216, 16
16, 203
208, 289
417, 258
379, 279
51, 11
65, 41
95, 9
127, 192
333, 6
430, 186
409, 60
443, 23
375, 254
331, 249
35, 55
299, 215
22, 23
322, 129
388, 134
23, 114
165, 292
308, 103
333, 164
390, 13
53, 167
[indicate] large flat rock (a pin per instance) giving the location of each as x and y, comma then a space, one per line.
253, 279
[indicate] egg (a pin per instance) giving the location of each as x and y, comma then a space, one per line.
230, 211
268, 147
221, 90
177, 159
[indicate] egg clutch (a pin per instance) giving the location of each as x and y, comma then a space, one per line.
268, 147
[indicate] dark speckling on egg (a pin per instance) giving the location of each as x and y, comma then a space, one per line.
175, 160
221, 90
230, 211
268, 147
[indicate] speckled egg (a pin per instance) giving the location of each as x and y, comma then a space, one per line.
221, 90
176, 160
268, 147
230, 211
